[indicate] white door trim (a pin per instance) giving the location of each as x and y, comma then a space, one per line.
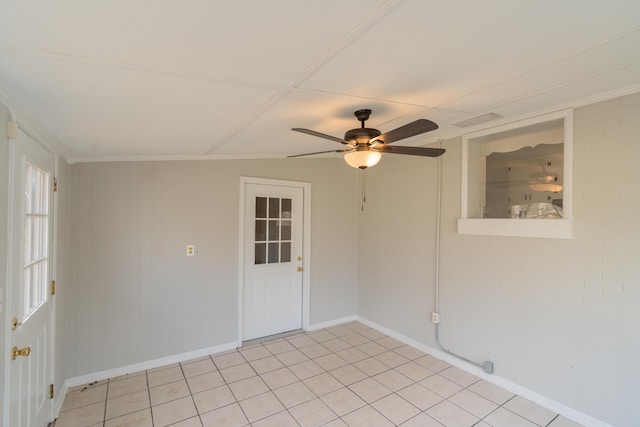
306, 245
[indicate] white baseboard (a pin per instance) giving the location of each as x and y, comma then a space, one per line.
123, 370
330, 323
543, 401
150, 364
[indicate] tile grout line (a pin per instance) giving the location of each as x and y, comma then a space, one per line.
191, 394
310, 359
272, 390
237, 402
106, 400
276, 396
146, 374
353, 339
552, 420
344, 385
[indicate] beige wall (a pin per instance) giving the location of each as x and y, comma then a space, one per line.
396, 247
559, 317
136, 297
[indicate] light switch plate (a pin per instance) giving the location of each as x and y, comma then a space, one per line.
191, 250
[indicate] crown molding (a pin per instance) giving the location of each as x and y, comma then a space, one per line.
30, 126
166, 158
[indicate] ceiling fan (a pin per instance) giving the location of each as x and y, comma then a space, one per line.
364, 146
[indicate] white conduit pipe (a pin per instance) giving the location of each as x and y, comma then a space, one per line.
487, 366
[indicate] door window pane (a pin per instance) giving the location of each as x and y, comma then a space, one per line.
261, 253
285, 228
274, 230
274, 253
273, 235
261, 230
274, 207
285, 252
36, 238
286, 208
261, 207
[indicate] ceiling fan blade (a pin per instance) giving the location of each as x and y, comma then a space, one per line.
408, 130
320, 135
413, 151
319, 152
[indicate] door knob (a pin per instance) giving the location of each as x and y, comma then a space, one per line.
26, 351
299, 268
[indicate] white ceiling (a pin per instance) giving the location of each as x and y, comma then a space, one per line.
125, 79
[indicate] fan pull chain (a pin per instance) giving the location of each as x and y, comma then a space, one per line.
363, 179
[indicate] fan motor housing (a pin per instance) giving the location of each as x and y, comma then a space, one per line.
361, 135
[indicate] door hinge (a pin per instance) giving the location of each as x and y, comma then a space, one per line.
12, 129
55, 184
53, 287
50, 391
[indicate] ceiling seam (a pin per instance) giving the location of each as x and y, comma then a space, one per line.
321, 60
388, 101
62, 57
422, 111
561, 85
541, 66
573, 104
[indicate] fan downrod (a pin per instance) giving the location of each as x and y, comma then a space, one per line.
362, 115
362, 135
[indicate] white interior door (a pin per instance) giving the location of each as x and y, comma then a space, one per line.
272, 260
29, 278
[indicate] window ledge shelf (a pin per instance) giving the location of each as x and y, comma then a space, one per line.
544, 228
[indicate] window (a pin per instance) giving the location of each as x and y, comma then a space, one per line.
272, 230
36, 238
517, 179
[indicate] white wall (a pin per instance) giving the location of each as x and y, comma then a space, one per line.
559, 317
135, 296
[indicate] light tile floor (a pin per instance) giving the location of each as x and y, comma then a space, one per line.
347, 375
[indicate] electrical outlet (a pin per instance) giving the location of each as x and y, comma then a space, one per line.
191, 250
435, 318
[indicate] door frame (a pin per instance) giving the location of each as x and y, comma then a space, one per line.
306, 245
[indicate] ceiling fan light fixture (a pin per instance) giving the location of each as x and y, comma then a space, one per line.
364, 146
545, 182
546, 186
362, 159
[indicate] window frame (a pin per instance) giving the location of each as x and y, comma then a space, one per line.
544, 228
268, 240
